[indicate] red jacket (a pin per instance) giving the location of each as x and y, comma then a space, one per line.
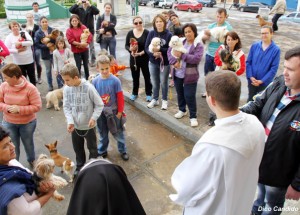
73, 34
3, 51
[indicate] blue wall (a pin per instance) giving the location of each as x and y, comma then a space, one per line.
290, 4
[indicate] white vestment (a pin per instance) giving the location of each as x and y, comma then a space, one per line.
221, 174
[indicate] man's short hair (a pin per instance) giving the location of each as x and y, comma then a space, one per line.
294, 52
35, 3
12, 70
70, 70
225, 87
103, 59
222, 10
3, 133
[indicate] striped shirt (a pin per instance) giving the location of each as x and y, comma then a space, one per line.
285, 101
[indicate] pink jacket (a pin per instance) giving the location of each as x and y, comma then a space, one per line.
26, 96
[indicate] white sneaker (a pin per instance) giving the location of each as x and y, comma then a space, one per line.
164, 105
194, 122
180, 114
153, 103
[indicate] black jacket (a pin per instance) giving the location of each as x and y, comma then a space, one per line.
86, 16
280, 165
112, 24
38, 36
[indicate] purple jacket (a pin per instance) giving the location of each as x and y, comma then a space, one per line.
192, 60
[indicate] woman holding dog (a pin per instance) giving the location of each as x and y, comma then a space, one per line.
186, 73
158, 61
19, 45
19, 102
80, 49
40, 45
232, 45
139, 60
18, 192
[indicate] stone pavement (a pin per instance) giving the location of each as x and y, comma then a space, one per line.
247, 27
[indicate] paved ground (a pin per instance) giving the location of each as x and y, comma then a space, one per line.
155, 151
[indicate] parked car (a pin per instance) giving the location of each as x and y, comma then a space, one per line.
143, 2
292, 17
163, 3
207, 3
253, 7
188, 5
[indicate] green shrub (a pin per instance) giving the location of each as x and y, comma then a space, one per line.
2, 15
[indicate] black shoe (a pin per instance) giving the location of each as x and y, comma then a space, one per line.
104, 155
125, 156
211, 123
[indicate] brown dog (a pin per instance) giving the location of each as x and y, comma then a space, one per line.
263, 22
50, 39
61, 161
54, 98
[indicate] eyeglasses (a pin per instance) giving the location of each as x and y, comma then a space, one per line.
138, 23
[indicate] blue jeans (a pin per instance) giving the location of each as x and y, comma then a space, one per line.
48, 65
92, 51
25, 133
109, 43
268, 199
103, 131
186, 95
158, 79
209, 65
84, 57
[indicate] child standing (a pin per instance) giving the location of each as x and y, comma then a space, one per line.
115, 67
61, 56
82, 107
112, 118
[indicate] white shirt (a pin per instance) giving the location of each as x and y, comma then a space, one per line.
22, 58
221, 174
25, 204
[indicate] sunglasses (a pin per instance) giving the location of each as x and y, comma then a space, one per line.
138, 23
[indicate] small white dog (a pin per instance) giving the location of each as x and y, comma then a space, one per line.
43, 169
216, 34
177, 45
54, 98
155, 43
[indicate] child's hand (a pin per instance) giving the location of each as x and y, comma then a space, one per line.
119, 115
70, 128
92, 123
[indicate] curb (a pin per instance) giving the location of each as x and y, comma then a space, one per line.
165, 119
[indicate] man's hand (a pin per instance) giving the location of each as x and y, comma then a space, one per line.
13, 109
70, 128
293, 194
119, 115
92, 123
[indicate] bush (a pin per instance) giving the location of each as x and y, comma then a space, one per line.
2, 15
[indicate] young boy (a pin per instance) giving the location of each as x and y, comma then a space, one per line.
220, 175
82, 107
112, 118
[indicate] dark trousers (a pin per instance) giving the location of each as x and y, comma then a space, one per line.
274, 20
28, 70
186, 95
253, 90
84, 58
136, 77
209, 65
37, 61
78, 137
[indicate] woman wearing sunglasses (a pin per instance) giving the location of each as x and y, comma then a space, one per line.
135, 45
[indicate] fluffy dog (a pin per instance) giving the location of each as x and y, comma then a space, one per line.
177, 45
54, 98
92, 76
85, 35
228, 60
63, 162
262, 22
43, 171
50, 39
216, 34
155, 44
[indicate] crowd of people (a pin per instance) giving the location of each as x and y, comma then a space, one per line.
251, 145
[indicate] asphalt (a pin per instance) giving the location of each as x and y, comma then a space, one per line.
51, 123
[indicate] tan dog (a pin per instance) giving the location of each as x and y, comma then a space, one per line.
50, 39
54, 98
43, 169
66, 164
263, 22
85, 35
